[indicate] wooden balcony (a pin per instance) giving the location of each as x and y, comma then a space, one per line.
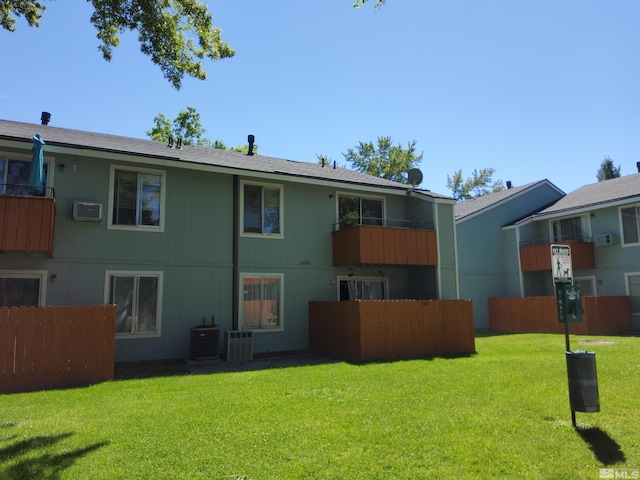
537, 258
27, 223
375, 245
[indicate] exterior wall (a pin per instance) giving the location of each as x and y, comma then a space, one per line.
194, 253
488, 255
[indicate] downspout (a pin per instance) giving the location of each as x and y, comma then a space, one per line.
520, 274
235, 299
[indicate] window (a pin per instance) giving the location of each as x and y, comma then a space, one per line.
568, 229
22, 289
137, 300
14, 177
633, 290
359, 211
630, 219
261, 209
261, 301
352, 288
137, 198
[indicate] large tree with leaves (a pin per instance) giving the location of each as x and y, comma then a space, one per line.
188, 128
607, 170
480, 183
384, 160
177, 34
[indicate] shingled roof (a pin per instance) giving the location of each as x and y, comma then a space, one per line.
486, 202
62, 137
597, 194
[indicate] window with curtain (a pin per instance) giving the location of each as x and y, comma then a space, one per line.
261, 301
137, 297
352, 288
137, 198
261, 209
567, 229
630, 219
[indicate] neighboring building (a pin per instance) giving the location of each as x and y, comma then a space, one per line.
487, 254
601, 223
175, 236
504, 241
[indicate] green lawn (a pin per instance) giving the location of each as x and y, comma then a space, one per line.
502, 413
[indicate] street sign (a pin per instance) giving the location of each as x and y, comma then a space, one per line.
561, 265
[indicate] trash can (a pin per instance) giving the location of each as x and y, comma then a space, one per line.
583, 381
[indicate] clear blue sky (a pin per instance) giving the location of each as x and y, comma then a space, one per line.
533, 88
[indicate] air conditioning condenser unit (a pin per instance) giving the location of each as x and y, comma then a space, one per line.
238, 346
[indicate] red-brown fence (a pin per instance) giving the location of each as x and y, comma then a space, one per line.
55, 347
610, 315
366, 330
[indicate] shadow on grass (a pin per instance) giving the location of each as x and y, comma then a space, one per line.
605, 448
38, 462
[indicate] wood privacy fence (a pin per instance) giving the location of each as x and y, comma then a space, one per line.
366, 330
55, 347
609, 315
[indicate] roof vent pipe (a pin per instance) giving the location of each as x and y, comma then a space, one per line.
45, 117
251, 139
508, 184
638, 166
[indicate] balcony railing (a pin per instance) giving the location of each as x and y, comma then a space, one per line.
535, 256
363, 244
27, 222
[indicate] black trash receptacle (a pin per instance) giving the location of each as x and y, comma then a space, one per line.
583, 381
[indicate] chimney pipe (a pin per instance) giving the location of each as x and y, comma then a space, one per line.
508, 184
45, 117
638, 166
251, 139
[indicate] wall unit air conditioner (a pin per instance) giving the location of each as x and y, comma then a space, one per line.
604, 239
87, 211
238, 346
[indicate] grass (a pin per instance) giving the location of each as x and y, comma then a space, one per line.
502, 413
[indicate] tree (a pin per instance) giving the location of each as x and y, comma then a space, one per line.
479, 184
188, 128
176, 34
359, 3
607, 170
388, 161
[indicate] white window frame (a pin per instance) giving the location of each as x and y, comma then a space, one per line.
591, 280
280, 276
622, 240
585, 226
163, 198
41, 275
108, 274
360, 196
634, 315
20, 157
383, 280
274, 186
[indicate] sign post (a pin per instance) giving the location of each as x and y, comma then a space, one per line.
581, 368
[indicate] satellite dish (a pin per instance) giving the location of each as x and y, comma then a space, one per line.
415, 176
